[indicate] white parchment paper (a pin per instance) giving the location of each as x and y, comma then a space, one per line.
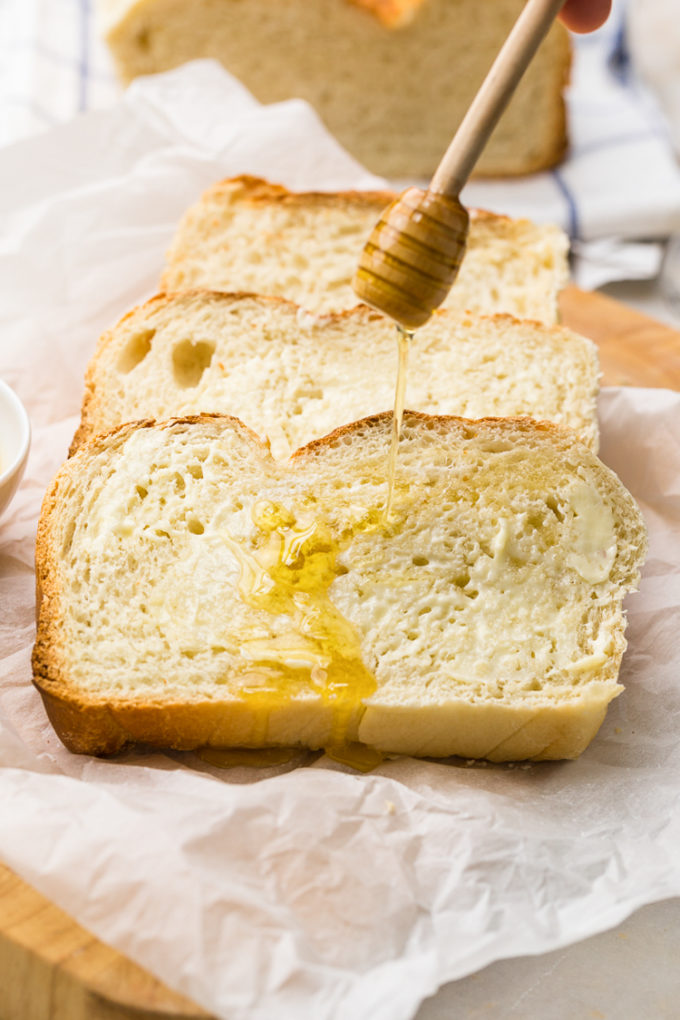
307, 891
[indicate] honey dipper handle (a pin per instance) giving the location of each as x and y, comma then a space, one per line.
526, 36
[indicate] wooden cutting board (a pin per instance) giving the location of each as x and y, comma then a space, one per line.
50, 967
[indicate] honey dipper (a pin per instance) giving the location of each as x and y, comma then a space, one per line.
414, 252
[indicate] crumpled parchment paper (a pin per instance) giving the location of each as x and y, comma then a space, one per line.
308, 891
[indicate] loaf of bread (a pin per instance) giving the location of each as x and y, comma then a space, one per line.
246, 234
196, 592
391, 80
295, 377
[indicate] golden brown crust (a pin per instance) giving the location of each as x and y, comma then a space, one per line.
95, 726
558, 435
259, 191
92, 726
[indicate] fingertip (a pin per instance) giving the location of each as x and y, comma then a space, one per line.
583, 16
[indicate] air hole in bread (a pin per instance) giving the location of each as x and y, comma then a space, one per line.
496, 445
308, 391
553, 505
420, 561
195, 470
135, 350
141, 491
68, 538
190, 360
195, 526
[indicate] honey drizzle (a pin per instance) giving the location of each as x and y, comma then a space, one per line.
404, 336
288, 575
291, 577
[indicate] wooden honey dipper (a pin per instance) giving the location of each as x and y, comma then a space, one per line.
413, 255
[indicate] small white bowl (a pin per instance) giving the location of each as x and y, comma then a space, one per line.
15, 439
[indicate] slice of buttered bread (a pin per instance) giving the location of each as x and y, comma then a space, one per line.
197, 592
294, 377
246, 234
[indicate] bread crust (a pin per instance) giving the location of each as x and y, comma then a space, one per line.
259, 191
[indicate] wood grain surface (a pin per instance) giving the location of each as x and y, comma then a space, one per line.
50, 967
634, 349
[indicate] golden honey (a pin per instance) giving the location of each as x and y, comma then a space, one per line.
404, 338
288, 574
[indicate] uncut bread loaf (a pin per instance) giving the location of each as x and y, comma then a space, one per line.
391, 80
195, 592
294, 377
246, 234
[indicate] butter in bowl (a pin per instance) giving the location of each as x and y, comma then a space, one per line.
15, 439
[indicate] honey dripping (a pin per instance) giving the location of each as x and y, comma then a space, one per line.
315, 648
404, 337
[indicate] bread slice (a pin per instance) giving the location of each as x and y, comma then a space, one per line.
294, 377
392, 80
195, 592
245, 234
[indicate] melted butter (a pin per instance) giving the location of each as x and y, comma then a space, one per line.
404, 338
594, 535
288, 574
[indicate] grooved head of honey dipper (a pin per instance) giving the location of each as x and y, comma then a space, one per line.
413, 256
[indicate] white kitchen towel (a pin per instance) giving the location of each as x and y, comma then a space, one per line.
621, 178
52, 65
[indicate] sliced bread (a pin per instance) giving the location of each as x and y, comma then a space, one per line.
294, 377
245, 234
392, 80
196, 592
